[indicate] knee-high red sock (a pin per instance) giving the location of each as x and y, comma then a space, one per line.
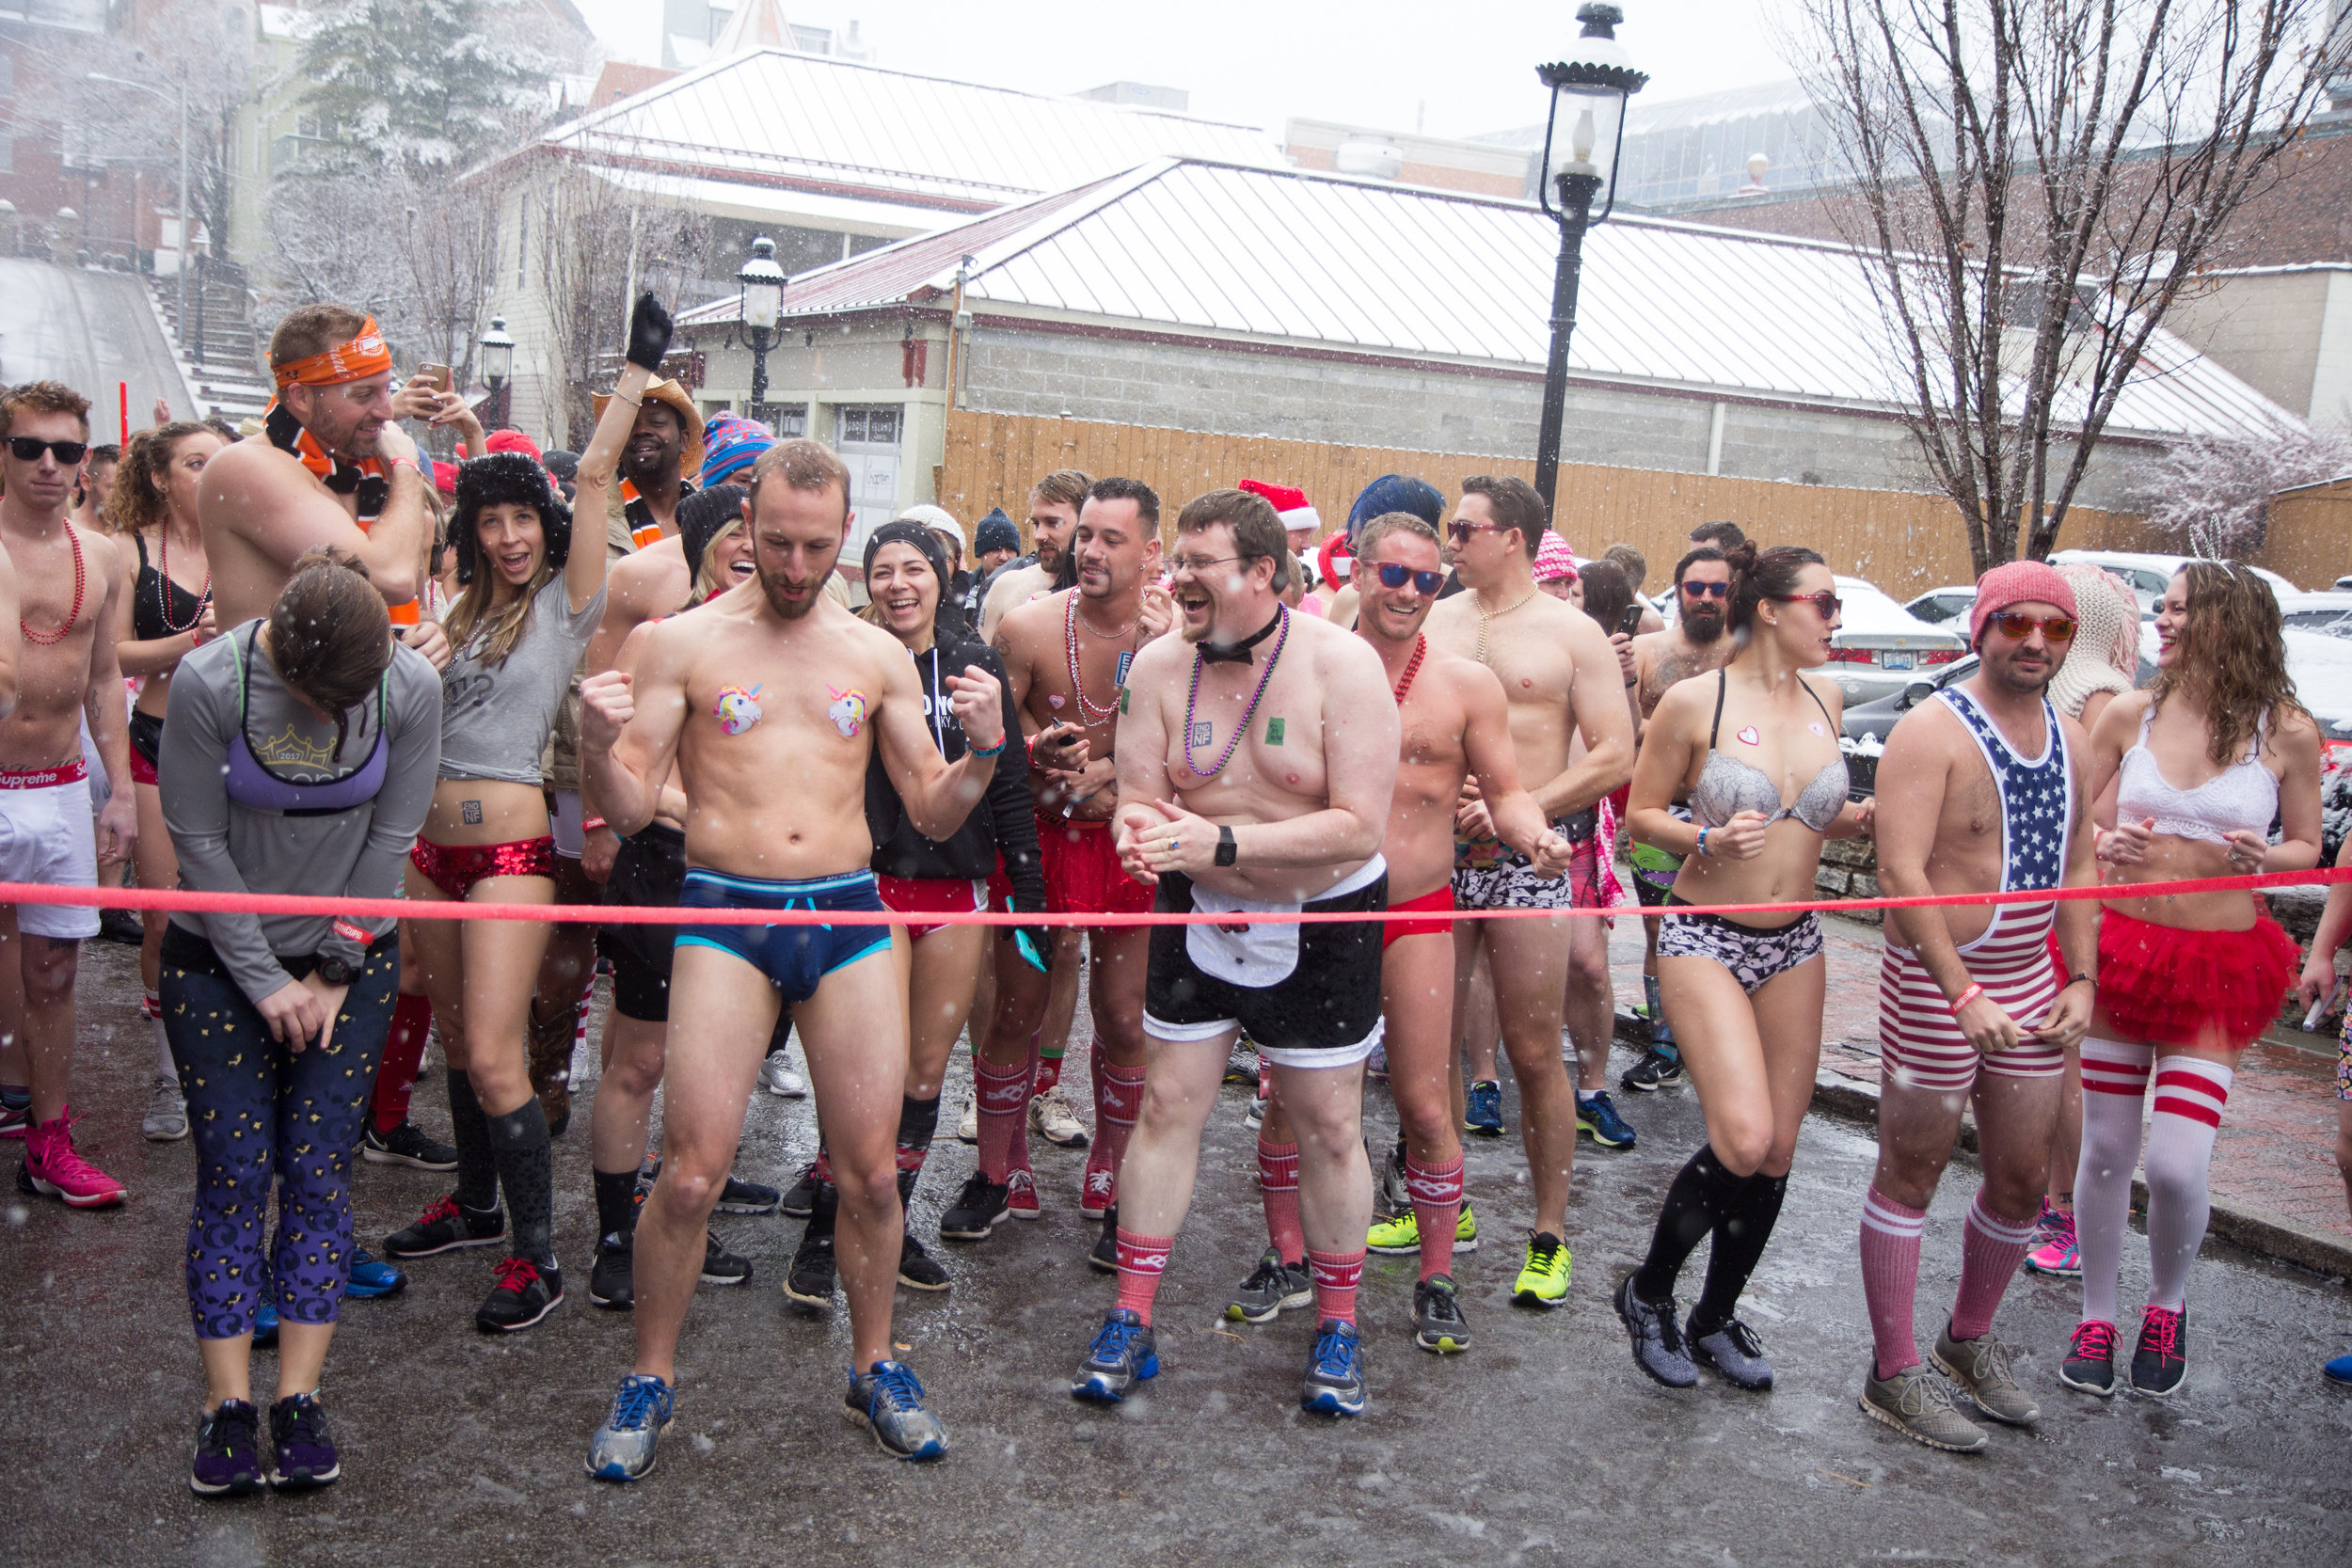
1141, 1262
404, 1052
1277, 1187
1437, 1195
1048, 1063
1990, 1249
1890, 1277
1118, 1100
1337, 1275
1004, 1105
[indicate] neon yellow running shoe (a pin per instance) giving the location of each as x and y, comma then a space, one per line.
1400, 1236
1544, 1281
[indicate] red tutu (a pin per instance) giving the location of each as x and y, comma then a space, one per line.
2172, 987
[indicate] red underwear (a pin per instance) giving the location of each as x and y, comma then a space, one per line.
456, 867
930, 896
1441, 897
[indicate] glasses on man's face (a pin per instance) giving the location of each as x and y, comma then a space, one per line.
1706, 590
1196, 565
1396, 576
1827, 602
26, 448
1461, 532
2017, 626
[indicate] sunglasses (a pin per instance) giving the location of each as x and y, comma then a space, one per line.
1461, 532
1827, 602
2017, 627
27, 450
1708, 590
1394, 575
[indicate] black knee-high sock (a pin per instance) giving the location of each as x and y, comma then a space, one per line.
1701, 1192
477, 1169
527, 1176
918, 1120
1740, 1233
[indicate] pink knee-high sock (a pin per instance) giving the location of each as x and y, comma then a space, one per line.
1990, 1250
2191, 1095
1003, 1106
1141, 1262
2115, 1080
1118, 1100
1337, 1275
1278, 1188
1437, 1195
1890, 1277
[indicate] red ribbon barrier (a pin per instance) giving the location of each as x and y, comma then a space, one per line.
664, 914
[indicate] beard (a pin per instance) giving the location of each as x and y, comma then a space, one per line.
2006, 674
788, 608
1703, 626
641, 467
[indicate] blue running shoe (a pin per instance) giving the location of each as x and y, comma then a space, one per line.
2339, 1370
623, 1448
265, 1326
1598, 1120
1481, 1111
890, 1403
371, 1278
1123, 1354
1334, 1385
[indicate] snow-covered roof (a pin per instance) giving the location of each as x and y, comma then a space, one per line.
808, 121
1349, 265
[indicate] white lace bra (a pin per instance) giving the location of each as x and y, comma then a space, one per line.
2244, 795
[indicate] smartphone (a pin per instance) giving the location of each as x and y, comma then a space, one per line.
435, 376
1631, 622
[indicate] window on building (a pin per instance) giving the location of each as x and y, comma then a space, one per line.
873, 426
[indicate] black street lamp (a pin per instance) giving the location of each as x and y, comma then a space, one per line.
498, 364
1588, 90
763, 302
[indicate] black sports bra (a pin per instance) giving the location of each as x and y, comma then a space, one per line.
160, 608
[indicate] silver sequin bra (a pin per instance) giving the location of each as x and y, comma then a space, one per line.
1728, 787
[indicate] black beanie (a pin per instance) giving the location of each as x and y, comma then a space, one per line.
701, 516
501, 478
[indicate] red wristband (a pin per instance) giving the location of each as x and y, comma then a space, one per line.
1965, 998
349, 932
589, 825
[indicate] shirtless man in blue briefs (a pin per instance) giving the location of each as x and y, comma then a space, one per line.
767, 700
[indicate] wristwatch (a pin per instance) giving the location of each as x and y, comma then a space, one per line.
334, 970
1226, 848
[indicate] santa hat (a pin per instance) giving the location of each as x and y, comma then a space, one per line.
1335, 561
1289, 504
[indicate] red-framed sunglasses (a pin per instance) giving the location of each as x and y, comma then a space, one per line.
2018, 626
1827, 602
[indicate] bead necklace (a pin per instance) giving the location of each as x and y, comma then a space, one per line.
1093, 712
163, 586
1193, 698
1485, 616
1421, 646
80, 582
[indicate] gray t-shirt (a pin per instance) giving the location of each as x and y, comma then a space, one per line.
495, 718
226, 847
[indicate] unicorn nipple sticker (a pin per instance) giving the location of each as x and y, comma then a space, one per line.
847, 711
736, 710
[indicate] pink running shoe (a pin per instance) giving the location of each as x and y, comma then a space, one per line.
1021, 1194
56, 1170
2053, 1250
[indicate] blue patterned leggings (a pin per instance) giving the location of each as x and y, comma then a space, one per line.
265, 1116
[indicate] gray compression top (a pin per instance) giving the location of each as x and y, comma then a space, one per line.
1728, 787
495, 718
227, 847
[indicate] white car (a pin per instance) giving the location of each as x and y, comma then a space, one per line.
2149, 574
2329, 610
2320, 666
1880, 647
1949, 603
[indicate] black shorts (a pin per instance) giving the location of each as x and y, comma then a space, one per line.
146, 737
650, 868
1308, 996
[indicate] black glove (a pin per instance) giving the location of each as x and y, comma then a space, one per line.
648, 333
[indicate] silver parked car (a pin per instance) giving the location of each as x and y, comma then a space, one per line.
1880, 647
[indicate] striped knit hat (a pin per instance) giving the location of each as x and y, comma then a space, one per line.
731, 444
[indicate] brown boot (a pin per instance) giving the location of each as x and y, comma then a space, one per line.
552, 1066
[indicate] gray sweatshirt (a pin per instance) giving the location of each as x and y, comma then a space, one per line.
226, 847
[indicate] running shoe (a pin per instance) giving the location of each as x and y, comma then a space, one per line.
890, 1401
302, 1452
2089, 1364
1656, 1337
16, 1117
1123, 1354
1981, 1368
799, 1199
1021, 1194
623, 1448
525, 1292
612, 1283
2338, 1371
1483, 1112
1437, 1322
1917, 1403
166, 1118
1272, 1286
979, 1209
1254, 1117
1733, 1350
1052, 1118
228, 1461
1660, 1068
968, 1124
720, 1266
1098, 1195
265, 1326
777, 1077
405, 1145
1394, 1196
2054, 1251
1544, 1279
445, 1227
2160, 1360
1334, 1383
1376, 1064
54, 1169
371, 1278
1241, 1065
918, 1270
809, 1281
1597, 1118
1400, 1236
748, 1198
1104, 1256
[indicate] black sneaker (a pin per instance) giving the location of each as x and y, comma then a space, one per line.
1660, 1068
979, 1209
526, 1291
1732, 1349
445, 1227
809, 1281
1656, 1337
720, 1266
918, 1270
2089, 1364
1437, 1322
1105, 1253
302, 1454
228, 1459
799, 1199
2160, 1360
748, 1198
405, 1145
611, 1283
1272, 1286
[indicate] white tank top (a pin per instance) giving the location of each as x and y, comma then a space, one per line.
2244, 795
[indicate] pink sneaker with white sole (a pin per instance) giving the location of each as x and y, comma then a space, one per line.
2054, 1251
54, 1169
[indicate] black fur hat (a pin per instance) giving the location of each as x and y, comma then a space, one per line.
503, 477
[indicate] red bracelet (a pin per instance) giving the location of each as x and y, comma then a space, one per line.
590, 824
1965, 998
349, 932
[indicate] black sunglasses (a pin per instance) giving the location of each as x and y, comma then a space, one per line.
1394, 575
27, 450
1708, 590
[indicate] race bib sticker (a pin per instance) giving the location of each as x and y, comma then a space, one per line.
1274, 732
1126, 657
737, 708
1201, 732
847, 711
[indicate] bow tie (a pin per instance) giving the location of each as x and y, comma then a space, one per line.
1241, 652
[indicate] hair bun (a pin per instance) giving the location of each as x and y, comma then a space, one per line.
1741, 557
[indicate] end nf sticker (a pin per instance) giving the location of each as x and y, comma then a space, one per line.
1126, 657
1274, 732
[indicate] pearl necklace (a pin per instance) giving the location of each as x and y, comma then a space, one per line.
1093, 712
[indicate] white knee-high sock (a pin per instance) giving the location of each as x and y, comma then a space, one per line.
2190, 1094
2115, 1079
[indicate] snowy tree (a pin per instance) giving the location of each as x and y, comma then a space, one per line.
2214, 492
430, 84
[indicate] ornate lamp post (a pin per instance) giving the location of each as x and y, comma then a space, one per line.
498, 364
763, 302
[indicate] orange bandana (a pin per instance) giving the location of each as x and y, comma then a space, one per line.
363, 356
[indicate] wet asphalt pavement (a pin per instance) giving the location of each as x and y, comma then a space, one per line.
1542, 1444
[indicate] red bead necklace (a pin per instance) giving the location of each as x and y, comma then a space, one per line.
1421, 646
81, 581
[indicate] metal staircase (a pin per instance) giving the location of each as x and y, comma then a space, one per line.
220, 352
